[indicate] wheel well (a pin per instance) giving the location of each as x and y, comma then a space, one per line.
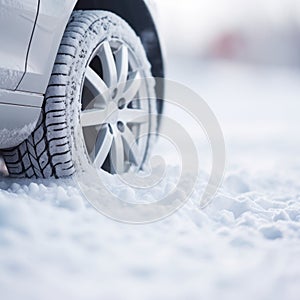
138, 16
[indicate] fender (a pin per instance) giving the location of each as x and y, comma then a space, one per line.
52, 20
53, 15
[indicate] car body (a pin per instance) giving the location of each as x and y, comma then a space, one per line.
30, 35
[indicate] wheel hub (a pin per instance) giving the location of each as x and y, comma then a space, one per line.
112, 113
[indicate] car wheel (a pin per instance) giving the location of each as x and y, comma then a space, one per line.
94, 86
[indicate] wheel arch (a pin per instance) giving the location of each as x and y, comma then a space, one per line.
138, 15
49, 30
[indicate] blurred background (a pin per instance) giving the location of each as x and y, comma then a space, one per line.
257, 31
243, 58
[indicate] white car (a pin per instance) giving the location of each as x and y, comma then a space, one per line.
68, 64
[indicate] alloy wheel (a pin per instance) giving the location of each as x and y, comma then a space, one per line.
114, 111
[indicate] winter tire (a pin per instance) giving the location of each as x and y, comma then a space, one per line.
94, 86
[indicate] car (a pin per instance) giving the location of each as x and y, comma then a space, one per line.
70, 85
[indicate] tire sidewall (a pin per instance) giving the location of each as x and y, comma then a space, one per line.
104, 26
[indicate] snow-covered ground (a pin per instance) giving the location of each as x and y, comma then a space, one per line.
244, 245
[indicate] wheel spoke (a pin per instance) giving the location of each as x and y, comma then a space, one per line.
108, 65
130, 146
117, 153
93, 117
122, 67
134, 116
96, 85
104, 119
132, 86
90, 137
103, 146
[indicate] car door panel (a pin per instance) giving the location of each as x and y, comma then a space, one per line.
17, 19
50, 25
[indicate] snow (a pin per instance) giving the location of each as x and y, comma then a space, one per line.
9, 137
244, 245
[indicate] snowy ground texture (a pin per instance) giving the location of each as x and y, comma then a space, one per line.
245, 245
